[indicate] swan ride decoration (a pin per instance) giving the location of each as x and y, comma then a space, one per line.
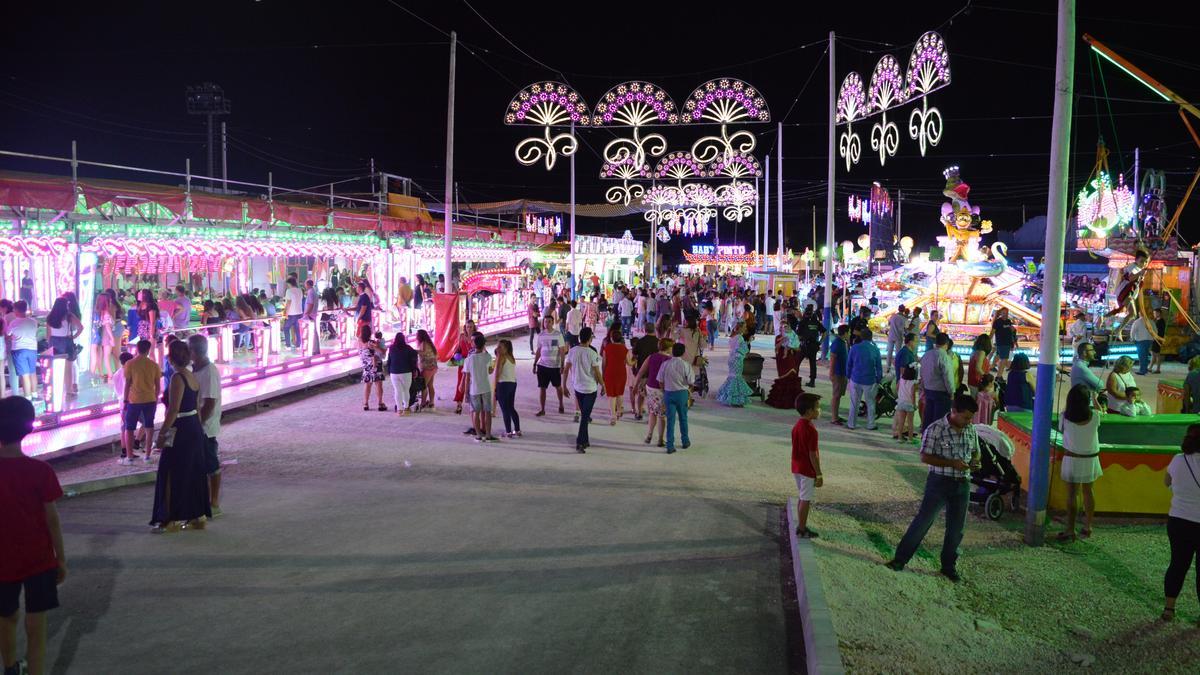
986, 268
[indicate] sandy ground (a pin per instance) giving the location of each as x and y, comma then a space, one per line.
362, 542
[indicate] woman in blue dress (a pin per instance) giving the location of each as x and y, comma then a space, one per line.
735, 392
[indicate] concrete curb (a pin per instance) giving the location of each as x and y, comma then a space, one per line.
110, 483
820, 640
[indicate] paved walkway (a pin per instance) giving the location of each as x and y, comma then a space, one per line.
363, 542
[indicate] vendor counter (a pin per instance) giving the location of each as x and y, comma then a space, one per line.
1134, 453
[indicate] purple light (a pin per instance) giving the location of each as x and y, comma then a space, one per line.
887, 85
852, 99
738, 100
929, 65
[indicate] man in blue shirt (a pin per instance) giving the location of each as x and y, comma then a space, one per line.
907, 355
865, 371
837, 371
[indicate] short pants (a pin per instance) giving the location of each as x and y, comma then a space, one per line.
24, 361
481, 403
63, 345
905, 407
41, 593
839, 384
805, 486
547, 376
212, 462
135, 412
1003, 352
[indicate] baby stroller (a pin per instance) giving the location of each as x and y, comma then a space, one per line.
752, 369
997, 483
414, 391
885, 401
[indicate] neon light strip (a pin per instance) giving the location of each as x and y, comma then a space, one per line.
1131, 73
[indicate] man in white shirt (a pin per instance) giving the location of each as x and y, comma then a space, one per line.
896, 326
478, 385
625, 307
676, 379
583, 363
208, 404
574, 323
21, 332
1143, 339
547, 364
1077, 330
183, 307
293, 300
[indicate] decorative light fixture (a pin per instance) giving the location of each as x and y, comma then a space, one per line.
548, 105
635, 105
624, 171
928, 71
724, 101
1100, 207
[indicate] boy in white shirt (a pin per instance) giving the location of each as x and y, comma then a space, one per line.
1134, 406
478, 385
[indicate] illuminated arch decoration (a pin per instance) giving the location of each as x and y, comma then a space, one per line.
1100, 207
886, 91
928, 71
624, 171
548, 105
737, 199
851, 106
680, 166
635, 105
740, 165
724, 101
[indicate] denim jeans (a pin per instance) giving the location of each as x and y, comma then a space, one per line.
291, 331
859, 392
506, 396
712, 333
952, 493
586, 401
937, 406
1143, 352
677, 405
627, 326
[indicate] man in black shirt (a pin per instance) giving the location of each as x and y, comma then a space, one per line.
809, 329
858, 323
1004, 336
643, 347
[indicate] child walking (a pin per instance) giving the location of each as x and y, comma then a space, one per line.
476, 383
806, 462
907, 389
506, 388
31, 539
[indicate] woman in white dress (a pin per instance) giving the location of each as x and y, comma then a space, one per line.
1120, 379
1080, 426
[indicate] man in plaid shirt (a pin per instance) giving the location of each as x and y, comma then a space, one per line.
951, 449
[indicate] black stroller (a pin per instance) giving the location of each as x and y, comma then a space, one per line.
752, 369
997, 484
885, 401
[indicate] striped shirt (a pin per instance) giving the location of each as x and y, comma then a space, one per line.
943, 440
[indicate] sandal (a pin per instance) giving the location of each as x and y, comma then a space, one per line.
383, 408
1168, 614
458, 410
647, 440
366, 406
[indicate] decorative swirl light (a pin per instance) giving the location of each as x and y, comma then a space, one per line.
886, 90
928, 71
851, 105
547, 104
741, 165
737, 198
724, 101
624, 171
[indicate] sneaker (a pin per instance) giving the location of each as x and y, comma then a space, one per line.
125, 461
491, 439
469, 432
670, 451
807, 534
662, 444
893, 565
952, 575
580, 449
479, 439
216, 511
685, 446
146, 459
576, 418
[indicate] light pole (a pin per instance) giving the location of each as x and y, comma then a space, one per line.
209, 100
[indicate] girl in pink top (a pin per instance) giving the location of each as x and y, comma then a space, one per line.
985, 399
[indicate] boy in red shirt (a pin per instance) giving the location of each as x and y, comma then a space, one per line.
806, 462
30, 538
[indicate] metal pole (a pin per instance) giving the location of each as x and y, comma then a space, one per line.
899, 213
767, 213
808, 263
756, 212
779, 195
211, 170
829, 181
1056, 216
224, 158
573, 215
449, 229
1137, 197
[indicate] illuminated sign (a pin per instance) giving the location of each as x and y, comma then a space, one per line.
629, 248
709, 249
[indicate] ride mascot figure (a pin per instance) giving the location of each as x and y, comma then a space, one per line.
962, 222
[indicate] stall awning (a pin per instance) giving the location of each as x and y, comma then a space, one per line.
37, 193
536, 206
216, 208
125, 194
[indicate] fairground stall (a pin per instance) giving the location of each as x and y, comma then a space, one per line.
724, 259
89, 236
607, 261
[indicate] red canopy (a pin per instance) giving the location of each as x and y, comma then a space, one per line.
37, 193
216, 208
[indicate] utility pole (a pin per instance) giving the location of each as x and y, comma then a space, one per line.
756, 212
449, 229
209, 100
899, 212
573, 282
767, 214
808, 263
1056, 216
779, 195
829, 182
224, 158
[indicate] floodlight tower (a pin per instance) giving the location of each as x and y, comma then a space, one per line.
209, 100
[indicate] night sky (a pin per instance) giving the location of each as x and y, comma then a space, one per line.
319, 89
